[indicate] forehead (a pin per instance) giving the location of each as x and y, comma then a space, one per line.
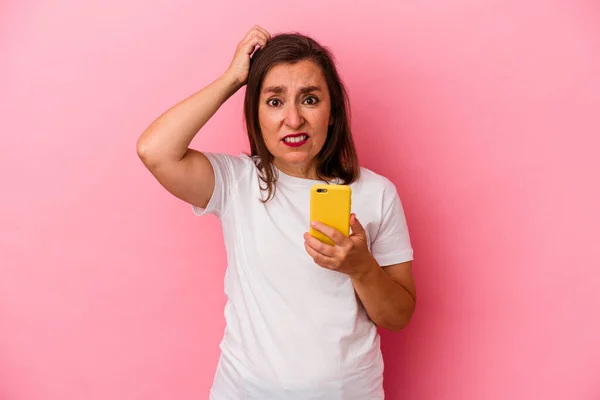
302, 73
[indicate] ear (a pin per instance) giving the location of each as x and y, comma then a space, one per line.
331, 120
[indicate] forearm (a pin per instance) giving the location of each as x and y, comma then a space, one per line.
170, 135
387, 303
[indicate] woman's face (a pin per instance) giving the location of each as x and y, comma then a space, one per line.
294, 115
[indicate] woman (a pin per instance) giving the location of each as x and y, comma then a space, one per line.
301, 315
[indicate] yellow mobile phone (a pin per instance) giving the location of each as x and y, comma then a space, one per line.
330, 205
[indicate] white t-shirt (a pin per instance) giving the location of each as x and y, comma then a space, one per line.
295, 330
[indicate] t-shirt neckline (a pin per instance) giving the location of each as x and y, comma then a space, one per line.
294, 180
284, 178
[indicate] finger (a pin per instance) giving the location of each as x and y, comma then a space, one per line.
251, 38
335, 235
257, 39
256, 33
250, 45
263, 30
356, 226
320, 259
323, 248
249, 34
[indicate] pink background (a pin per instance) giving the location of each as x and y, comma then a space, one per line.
481, 112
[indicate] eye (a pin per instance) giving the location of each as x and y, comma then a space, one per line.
311, 100
274, 102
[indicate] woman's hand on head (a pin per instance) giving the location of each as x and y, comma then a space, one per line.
240, 65
349, 255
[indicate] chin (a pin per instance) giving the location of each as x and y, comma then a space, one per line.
297, 158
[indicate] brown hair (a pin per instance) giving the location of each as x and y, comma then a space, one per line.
337, 158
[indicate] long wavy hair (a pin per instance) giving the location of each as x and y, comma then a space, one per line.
337, 159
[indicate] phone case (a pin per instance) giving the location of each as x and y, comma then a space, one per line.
331, 205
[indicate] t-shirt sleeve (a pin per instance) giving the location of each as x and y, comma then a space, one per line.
227, 170
392, 244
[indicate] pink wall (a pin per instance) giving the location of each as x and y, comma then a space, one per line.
480, 111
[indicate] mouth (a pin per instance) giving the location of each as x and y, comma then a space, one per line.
295, 140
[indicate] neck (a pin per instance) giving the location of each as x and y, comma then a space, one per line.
298, 171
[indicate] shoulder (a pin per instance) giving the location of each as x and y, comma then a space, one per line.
231, 170
241, 160
237, 164
375, 184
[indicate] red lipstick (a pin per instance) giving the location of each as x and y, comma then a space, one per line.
295, 139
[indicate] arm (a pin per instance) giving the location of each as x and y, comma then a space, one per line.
388, 294
164, 146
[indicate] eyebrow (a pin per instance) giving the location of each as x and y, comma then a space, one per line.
282, 89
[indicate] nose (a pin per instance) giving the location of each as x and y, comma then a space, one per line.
293, 117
